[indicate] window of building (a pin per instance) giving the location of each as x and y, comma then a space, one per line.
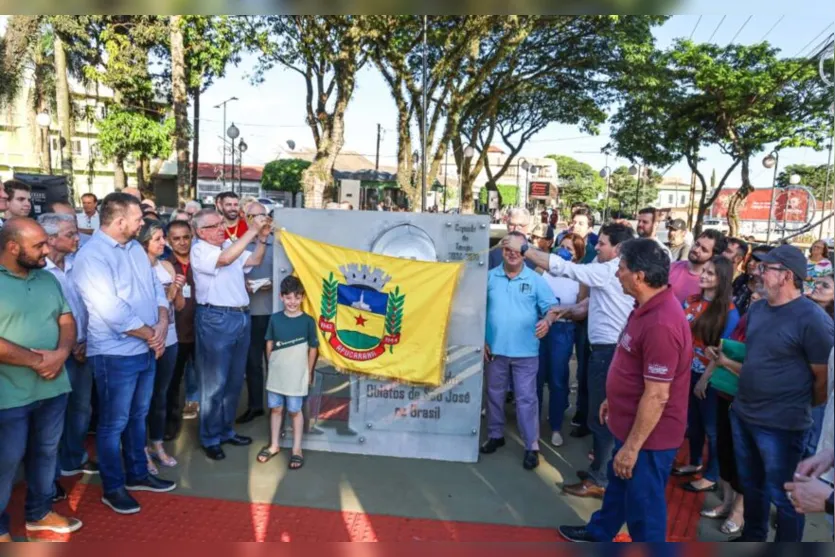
684, 200
76, 147
670, 199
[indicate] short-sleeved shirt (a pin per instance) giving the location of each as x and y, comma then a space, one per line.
88, 223
694, 307
683, 282
261, 302
514, 305
218, 286
29, 312
776, 382
184, 319
293, 337
656, 345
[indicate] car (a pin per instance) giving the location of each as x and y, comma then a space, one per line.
266, 202
717, 224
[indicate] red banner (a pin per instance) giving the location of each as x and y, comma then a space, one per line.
757, 205
540, 189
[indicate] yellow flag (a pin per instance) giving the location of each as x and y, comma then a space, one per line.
378, 315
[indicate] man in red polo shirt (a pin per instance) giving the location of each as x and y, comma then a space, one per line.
234, 225
646, 401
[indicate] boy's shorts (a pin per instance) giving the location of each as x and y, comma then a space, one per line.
293, 403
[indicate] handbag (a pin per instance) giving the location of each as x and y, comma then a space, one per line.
723, 379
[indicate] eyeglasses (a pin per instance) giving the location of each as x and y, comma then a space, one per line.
823, 284
212, 226
763, 267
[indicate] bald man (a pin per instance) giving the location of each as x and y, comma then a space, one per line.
37, 334
134, 192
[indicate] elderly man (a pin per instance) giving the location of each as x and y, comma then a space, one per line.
518, 300
192, 208
128, 323
63, 243
20, 199
64, 208
647, 391
783, 377
222, 323
607, 307
261, 308
647, 227
37, 334
519, 220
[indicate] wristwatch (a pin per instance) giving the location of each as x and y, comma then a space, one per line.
524, 248
827, 507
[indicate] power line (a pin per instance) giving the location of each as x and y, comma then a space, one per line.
772, 27
721, 21
813, 40
698, 21
740, 30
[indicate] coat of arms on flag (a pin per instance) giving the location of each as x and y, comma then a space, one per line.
378, 315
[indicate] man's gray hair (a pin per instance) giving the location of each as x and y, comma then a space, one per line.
193, 205
522, 213
201, 216
51, 222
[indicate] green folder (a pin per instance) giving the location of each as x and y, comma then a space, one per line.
723, 379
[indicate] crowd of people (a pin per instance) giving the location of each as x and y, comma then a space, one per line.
107, 315
652, 327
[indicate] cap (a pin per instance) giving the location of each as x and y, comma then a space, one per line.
789, 257
540, 231
677, 224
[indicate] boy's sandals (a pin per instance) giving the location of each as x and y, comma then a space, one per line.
265, 454
296, 462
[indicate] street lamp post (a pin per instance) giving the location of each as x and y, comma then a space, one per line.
606, 172
232, 133
772, 160
44, 120
242, 147
223, 104
633, 171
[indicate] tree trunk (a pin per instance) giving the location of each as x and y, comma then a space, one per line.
120, 179
62, 91
141, 181
319, 175
180, 94
195, 146
737, 200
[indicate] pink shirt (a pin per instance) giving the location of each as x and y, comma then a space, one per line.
656, 345
684, 283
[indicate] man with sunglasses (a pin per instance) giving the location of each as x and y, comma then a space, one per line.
784, 376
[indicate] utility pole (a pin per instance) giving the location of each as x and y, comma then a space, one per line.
223, 136
377, 158
423, 125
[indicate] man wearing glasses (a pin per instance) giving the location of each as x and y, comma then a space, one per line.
784, 376
519, 220
222, 323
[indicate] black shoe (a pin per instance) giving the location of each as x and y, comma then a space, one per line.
248, 416
491, 445
509, 398
580, 431
576, 534
89, 468
239, 440
121, 502
152, 483
60, 494
214, 452
531, 460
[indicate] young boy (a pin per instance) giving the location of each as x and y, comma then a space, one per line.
292, 348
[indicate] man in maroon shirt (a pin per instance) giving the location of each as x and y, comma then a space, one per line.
647, 392
684, 275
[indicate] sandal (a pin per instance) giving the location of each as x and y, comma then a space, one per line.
163, 458
296, 462
152, 468
265, 454
717, 512
729, 527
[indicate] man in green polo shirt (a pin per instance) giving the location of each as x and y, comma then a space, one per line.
37, 333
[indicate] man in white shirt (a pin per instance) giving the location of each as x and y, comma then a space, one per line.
72, 454
608, 308
222, 323
88, 219
647, 227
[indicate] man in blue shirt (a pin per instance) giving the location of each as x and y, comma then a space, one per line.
128, 323
518, 300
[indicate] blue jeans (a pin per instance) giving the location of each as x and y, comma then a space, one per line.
766, 459
554, 355
701, 424
71, 452
814, 434
220, 361
581, 344
602, 440
30, 434
124, 385
639, 502
159, 400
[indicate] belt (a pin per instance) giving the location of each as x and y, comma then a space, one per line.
602, 346
238, 309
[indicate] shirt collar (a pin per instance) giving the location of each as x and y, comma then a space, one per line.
30, 276
67, 264
500, 271
660, 298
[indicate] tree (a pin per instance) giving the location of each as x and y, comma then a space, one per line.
284, 175
125, 133
578, 181
819, 179
180, 97
327, 51
741, 98
627, 195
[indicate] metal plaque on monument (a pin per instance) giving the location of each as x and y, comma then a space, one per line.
354, 413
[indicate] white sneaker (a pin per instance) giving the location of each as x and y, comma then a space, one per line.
556, 439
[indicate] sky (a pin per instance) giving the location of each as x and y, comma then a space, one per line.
271, 113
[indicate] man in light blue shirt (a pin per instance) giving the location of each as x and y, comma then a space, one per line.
128, 323
518, 300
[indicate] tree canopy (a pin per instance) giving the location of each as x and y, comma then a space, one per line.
578, 181
284, 175
816, 178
